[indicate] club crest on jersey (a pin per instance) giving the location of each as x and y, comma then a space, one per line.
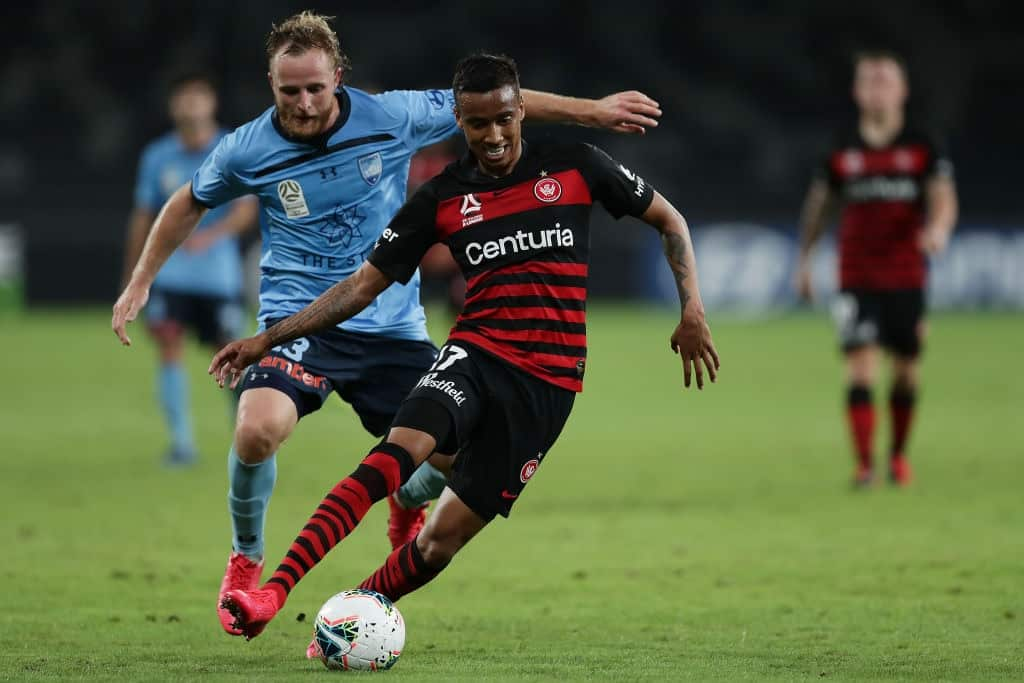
853, 162
292, 199
529, 469
547, 190
471, 210
903, 160
371, 167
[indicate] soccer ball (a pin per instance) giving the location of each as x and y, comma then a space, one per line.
359, 629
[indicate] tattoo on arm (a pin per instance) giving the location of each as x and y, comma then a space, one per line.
674, 246
337, 304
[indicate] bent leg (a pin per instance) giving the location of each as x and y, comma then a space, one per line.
450, 527
379, 475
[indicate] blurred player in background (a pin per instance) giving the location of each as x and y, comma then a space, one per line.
899, 206
330, 166
200, 286
516, 218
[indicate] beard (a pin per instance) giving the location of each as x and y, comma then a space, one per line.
303, 127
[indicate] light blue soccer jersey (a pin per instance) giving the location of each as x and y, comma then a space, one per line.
324, 204
166, 165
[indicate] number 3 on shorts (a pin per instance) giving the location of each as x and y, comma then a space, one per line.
294, 350
447, 356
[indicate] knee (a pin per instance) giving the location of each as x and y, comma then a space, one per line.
256, 441
439, 547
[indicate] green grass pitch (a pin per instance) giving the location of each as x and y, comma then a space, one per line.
671, 535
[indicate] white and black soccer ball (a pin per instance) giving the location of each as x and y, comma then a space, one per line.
359, 630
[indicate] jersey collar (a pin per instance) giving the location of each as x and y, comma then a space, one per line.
344, 109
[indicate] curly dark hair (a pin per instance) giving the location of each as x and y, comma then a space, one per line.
483, 72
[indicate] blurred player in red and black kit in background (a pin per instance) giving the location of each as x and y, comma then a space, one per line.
899, 206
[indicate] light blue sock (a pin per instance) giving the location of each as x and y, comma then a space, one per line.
248, 498
173, 390
425, 484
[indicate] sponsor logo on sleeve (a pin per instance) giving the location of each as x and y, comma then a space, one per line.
436, 98
292, 199
388, 236
635, 179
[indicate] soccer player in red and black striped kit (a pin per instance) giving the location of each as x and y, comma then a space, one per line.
516, 218
899, 206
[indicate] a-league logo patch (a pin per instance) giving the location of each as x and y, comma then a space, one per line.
547, 190
371, 167
292, 199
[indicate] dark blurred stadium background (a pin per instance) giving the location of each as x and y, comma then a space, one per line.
751, 92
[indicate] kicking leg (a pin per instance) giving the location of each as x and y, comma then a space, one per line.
378, 476
449, 529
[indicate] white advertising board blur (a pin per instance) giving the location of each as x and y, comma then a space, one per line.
749, 268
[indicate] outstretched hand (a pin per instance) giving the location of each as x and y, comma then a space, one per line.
127, 308
229, 364
692, 341
627, 112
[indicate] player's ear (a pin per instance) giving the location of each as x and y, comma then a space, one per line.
337, 76
270, 79
522, 107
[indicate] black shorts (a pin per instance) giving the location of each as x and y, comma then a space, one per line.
505, 422
216, 320
893, 319
371, 372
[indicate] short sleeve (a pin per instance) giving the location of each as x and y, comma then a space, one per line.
940, 165
215, 182
430, 115
407, 238
823, 171
147, 182
620, 190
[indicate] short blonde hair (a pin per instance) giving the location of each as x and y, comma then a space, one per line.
306, 31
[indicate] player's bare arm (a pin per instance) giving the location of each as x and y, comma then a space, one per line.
175, 222
623, 112
138, 228
692, 337
339, 303
818, 206
942, 211
243, 216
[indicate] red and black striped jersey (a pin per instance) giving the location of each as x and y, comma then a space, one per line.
522, 242
883, 194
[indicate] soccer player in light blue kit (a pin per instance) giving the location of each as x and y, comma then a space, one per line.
329, 165
200, 286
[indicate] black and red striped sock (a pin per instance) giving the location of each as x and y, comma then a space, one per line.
377, 477
901, 414
860, 413
404, 571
